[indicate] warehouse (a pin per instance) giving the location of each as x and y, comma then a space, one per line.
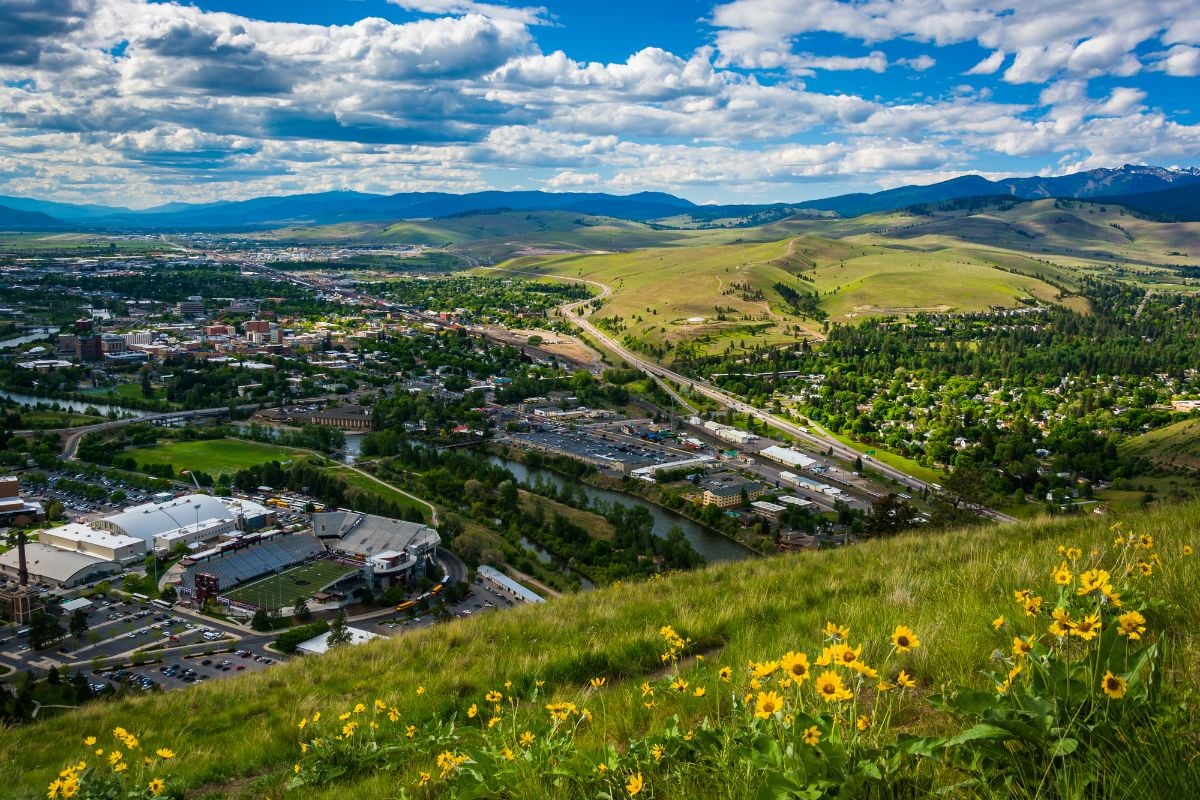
57, 568
93, 542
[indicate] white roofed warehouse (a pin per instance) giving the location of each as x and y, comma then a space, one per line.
58, 568
188, 519
95, 542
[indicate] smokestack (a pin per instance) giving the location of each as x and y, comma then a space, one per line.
23, 569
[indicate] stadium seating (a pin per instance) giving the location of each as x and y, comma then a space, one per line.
252, 562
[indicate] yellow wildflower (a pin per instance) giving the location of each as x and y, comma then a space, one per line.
1087, 628
904, 639
905, 681
472, 711
526, 739
1062, 575
796, 665
156, 786
1062, 624
634, 785
811, 736
837, 632
830, 687
1132, 624
164, 752
1093, 580
764, 669
598, 683
998, 622
1113, 685
767, 704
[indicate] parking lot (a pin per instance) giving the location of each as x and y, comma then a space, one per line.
598, 447
479, 600
61, 485
116, 629
179, 672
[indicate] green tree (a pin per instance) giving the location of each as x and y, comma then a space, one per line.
301, 610
79, 623
261, 621
44, 630
339, 634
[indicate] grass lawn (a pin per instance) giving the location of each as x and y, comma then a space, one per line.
126, 391
56, 419
368, 486
289, 586
214, 456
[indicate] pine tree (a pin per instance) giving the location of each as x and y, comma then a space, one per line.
339, 634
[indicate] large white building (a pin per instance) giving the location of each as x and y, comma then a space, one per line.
58, 568
187, 520
94, 542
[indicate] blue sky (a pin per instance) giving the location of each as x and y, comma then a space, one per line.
138, 102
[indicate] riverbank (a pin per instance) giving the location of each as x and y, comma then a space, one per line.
617, 486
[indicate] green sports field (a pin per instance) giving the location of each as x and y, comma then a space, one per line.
288, 587
214, 456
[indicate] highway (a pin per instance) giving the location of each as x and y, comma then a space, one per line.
570, 311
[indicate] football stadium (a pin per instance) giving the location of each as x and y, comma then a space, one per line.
286, 588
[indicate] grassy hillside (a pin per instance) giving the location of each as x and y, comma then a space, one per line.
1173, 447
240, 738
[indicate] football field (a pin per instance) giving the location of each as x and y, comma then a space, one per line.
287, 587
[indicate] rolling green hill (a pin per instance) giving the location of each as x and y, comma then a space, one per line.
241, 737
1175, 447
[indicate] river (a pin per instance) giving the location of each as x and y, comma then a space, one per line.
36, 335
78, 406
713, 546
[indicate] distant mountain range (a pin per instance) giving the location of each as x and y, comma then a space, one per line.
1167, 193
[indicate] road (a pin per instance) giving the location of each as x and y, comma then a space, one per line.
570, 311
74, 435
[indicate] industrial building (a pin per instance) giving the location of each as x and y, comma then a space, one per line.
788, 456
57, 568
505, 585
94, 542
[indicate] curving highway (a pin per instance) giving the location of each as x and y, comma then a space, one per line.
570, 311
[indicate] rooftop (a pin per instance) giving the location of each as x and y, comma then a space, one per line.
370, 535
154, 519
51, 562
